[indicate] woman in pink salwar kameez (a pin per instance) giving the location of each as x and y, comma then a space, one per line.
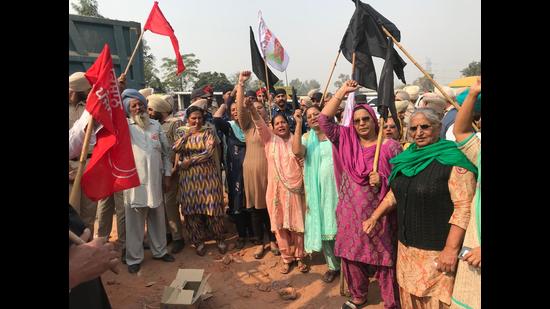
285, 189
360, 190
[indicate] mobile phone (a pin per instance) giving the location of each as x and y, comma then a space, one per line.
463, 252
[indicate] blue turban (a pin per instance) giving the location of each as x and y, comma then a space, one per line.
462, 96
129, 94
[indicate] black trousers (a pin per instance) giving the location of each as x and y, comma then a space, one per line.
261, 224
243, 223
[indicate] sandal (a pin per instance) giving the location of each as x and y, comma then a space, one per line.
330, 275
285, 269
351, 305
303, 267
259, 253
200, 249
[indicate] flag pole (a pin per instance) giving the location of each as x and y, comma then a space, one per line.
447, 97
134, 53
268, 93
74, 198
378, 144
330, 77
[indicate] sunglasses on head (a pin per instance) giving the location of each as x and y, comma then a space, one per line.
422, 126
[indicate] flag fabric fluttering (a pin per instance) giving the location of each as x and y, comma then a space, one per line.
158, 24
386, 95
271, 47
258, 65
348, 110
365, 37
112, 167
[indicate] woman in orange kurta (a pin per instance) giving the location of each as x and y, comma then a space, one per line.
285, 189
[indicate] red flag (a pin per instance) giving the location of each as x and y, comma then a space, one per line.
112, 167
158, 24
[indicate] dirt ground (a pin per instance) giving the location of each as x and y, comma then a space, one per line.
238, 284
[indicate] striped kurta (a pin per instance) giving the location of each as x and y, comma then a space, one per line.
200, 188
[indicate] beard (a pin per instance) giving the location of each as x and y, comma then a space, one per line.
142, 120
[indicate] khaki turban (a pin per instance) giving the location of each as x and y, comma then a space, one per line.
158, 104
78, 82
146, 91
169, 99
435, 102
401, 106
307, 100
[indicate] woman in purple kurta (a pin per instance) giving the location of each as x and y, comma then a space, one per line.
360, 190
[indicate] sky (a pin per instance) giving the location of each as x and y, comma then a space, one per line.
443, 36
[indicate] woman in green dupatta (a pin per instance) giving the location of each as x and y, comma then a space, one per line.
467, 289
320, 188
432, 185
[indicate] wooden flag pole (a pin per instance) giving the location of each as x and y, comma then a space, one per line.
268, 93
344, 289
378, 144
133, 53
74, 198
425, 73
330, 77
77, 240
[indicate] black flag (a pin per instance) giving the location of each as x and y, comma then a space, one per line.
386, 96
258, 66
365, 37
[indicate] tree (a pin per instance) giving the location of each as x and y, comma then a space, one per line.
473, 69
171, 81
424, 83
342, 78
218, 81
297, 84
280, 83
150, 72
87, 8
310, 84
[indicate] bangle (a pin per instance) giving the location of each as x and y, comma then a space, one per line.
338, 98
241, 84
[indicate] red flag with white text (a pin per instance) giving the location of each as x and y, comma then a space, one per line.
112, 167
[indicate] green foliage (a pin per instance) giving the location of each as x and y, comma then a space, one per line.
424, 83
342, 78
302, 88
473, 69
86, 8
171, 81
218, 81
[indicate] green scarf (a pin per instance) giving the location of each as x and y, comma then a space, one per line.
413, 160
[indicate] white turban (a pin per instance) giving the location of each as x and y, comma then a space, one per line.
146, 91
78, 82
412, 91
450, 92
401, 95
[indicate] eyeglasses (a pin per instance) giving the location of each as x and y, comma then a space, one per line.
424, 127
390, 126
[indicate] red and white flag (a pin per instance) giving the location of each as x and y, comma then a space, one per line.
271, 47
112, 167
158, 24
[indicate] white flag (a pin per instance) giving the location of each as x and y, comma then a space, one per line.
348, 110
271, 47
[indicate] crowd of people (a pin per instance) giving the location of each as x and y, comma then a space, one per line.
301, 175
